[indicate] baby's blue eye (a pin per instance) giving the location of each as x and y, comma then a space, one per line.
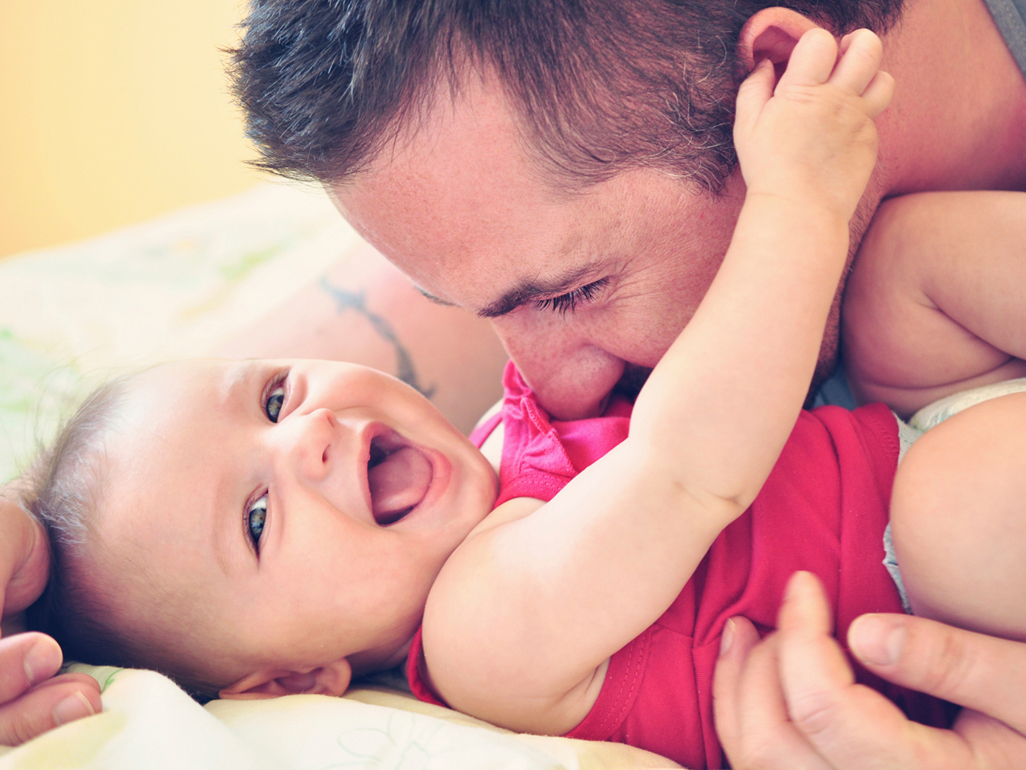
255, 518
275, 401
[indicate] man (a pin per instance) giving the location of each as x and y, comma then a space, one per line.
565, 170
579, 190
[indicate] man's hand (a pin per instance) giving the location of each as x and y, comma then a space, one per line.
790, 701
32, 699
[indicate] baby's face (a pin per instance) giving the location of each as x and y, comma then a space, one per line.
305, 506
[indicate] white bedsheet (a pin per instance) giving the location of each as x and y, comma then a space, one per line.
148, 722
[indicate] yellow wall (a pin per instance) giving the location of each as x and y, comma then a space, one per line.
113, 111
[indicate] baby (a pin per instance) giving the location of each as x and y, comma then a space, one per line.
264, 528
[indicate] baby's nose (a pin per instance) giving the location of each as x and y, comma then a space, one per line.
315, 439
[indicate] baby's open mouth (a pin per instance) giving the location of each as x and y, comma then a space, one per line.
399, 476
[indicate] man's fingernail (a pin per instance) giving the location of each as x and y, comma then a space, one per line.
727, 638
876, 639
798, 582
41, 662
71, 708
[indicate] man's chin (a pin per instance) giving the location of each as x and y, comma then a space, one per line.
634, 377
630, 382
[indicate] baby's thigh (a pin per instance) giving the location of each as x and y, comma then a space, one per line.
958, 518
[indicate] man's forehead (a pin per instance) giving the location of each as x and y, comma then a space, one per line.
488, 247
464, 155
469, 216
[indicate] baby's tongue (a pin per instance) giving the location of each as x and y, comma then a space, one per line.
398, 483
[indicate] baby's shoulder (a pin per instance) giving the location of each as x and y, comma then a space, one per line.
473, 646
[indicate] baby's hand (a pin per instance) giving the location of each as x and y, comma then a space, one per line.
811, 138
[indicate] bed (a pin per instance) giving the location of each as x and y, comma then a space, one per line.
74, 316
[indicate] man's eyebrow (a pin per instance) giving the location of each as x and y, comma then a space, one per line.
535, 291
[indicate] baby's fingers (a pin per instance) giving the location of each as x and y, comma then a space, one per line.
861, 54
878, 94
812, 60
755, 91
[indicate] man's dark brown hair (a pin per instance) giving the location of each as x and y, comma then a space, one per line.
597, 86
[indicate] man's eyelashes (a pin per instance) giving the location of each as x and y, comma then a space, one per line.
568, 303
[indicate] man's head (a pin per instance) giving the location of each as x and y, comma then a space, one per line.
573, 116
258, 528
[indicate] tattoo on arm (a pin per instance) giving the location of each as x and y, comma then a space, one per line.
348, 300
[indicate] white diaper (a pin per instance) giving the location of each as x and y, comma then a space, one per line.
930, 417
937, 412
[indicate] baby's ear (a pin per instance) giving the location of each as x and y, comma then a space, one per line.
330, 679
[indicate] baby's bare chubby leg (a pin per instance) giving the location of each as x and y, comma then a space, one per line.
958, 517
936, 302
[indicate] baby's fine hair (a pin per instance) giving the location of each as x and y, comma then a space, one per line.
64, 491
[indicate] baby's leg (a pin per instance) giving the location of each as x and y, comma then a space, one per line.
958, 517
936, 302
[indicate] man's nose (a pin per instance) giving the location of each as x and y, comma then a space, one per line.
310, 443
571, 374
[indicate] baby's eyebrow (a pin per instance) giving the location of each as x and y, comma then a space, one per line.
432, 298
235, 382
240, 384
221, 529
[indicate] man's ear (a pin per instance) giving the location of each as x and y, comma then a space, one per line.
330, 679
772, 34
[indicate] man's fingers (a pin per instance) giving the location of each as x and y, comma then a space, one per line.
32, 700
26, 660
31, 573
973, 670
827, 721
51, 704
850, 725
742, 637
751, 718
994, 744
812, 667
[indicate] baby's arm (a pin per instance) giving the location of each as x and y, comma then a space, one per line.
525, 614
936, 302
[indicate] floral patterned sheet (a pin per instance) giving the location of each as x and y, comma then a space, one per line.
76, 315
